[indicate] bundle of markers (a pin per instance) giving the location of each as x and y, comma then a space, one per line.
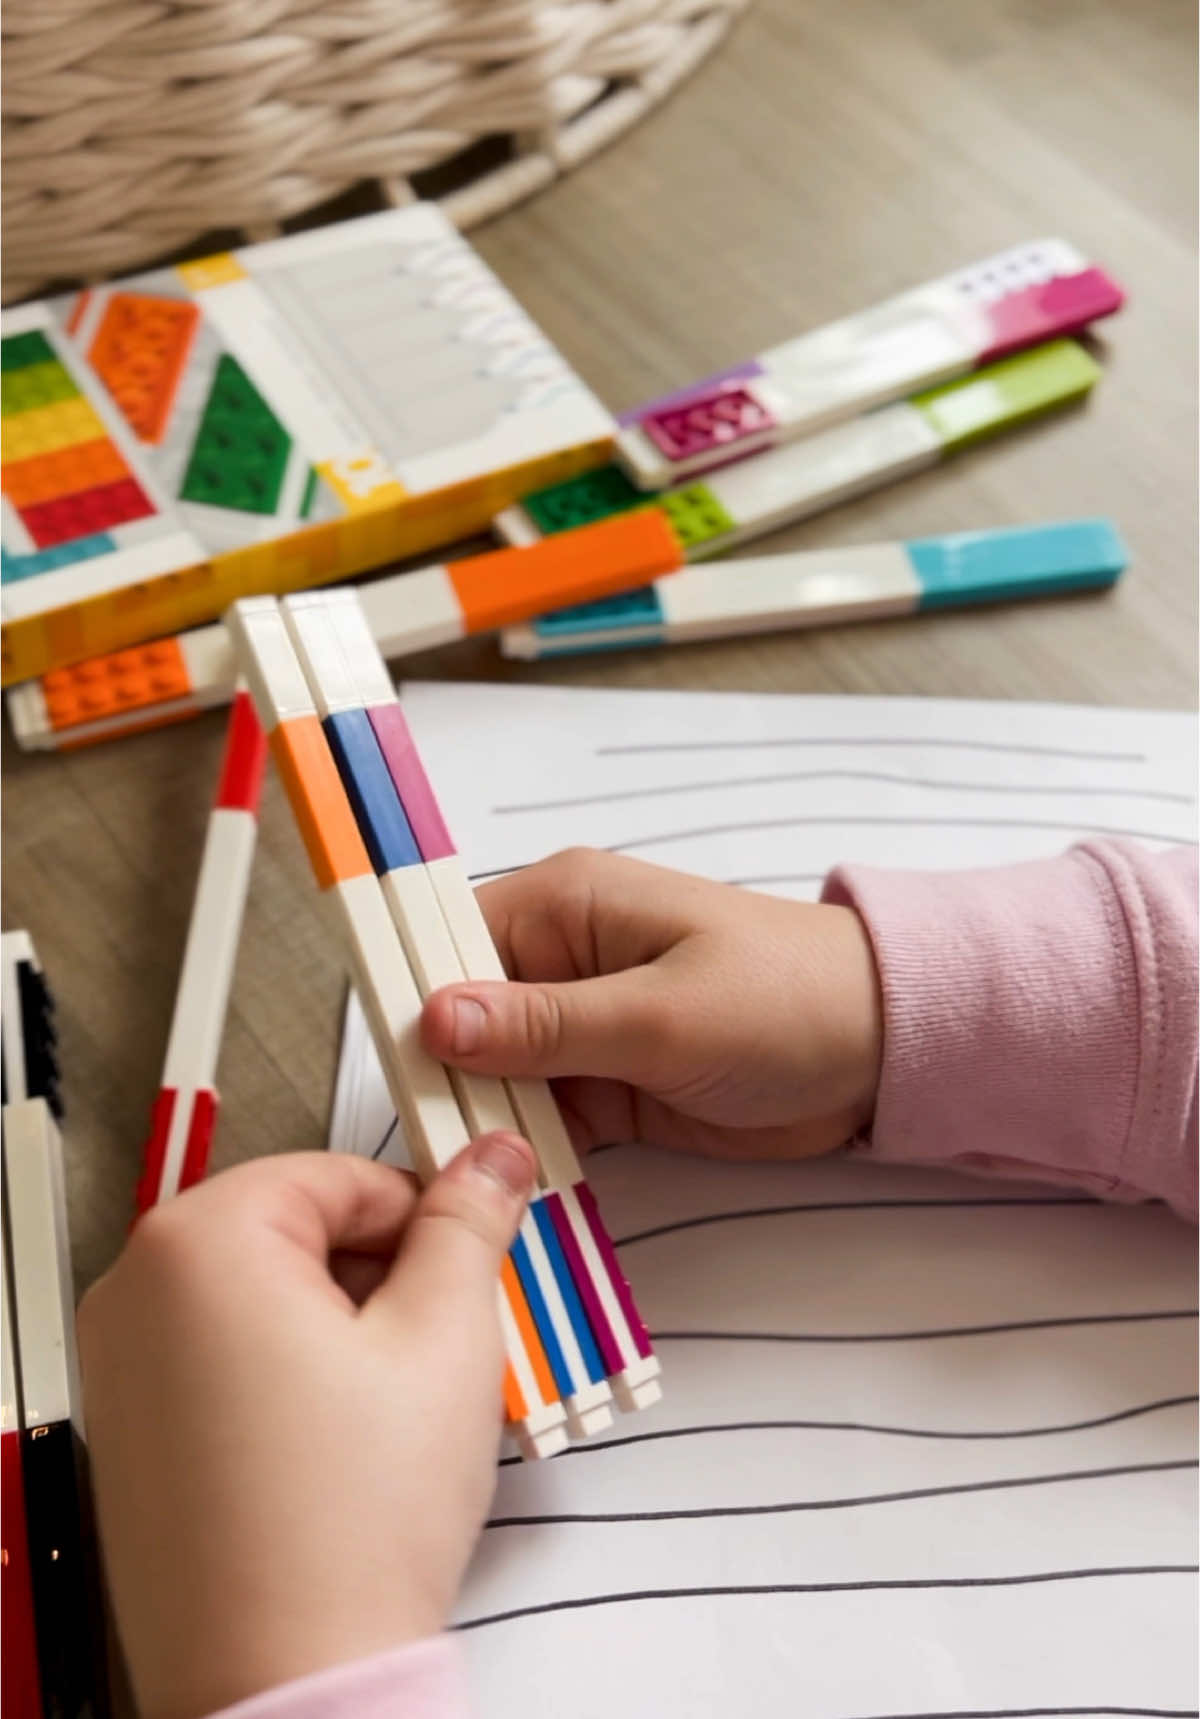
52, 1652
819, 419
408, 923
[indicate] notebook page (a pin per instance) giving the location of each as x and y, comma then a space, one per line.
927, 1444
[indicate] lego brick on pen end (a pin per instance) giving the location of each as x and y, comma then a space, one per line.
30, 1037
919, 339
595, 561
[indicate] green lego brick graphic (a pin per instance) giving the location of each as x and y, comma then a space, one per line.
696, 514
35, 385
17, 351
583, 500
240, 454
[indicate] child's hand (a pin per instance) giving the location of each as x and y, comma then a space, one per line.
292, 1389
687, 1014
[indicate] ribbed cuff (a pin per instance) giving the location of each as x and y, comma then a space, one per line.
421, 1680
1010, 1018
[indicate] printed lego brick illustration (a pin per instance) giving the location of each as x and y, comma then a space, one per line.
139, 353
263, 420
241, 449
231, 472
74, 490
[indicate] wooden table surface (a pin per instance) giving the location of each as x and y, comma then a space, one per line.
825, 157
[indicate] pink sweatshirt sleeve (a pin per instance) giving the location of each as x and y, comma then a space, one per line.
422, 1680
1040, 1020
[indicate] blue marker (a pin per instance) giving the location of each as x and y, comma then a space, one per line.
775, 593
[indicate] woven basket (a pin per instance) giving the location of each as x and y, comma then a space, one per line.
133, 129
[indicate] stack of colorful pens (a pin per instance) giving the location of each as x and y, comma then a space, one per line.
409, 923
53, 1640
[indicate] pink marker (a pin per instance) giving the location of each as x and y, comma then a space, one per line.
921, 339
616, 1276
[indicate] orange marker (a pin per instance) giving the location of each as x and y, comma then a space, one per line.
406, 612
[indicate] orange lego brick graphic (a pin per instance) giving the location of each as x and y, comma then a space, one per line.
79, 310
139, 354
47, 477
126, 680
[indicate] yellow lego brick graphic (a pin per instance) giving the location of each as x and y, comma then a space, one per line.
362, 483
49, 428
218, 270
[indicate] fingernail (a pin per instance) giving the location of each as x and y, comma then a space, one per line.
505, 1158
469, 1018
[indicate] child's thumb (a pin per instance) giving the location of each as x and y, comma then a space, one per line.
463, 1225
611, 1027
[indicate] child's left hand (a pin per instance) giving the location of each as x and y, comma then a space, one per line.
292, 1391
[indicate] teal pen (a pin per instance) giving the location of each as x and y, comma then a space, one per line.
819, 588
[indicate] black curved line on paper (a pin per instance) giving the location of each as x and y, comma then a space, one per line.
943, 743
610, 1146
799, 1506
736, 882
863, 820
1089, 1712
892, 777
850, 820
921, 1336
391, 1129
853, 1206
592, 1446
758, 1589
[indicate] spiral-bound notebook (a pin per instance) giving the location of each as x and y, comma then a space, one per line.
927, 1448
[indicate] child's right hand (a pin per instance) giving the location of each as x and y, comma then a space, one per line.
672, 1010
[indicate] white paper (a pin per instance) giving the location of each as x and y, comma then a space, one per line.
927, 1444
